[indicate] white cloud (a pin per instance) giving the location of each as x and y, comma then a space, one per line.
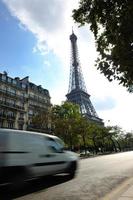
51, 23
47, 20
47, 63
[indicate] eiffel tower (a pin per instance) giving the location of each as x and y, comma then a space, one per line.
77, 92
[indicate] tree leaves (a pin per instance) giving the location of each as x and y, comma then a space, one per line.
111, 22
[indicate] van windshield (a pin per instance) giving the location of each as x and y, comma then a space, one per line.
55, 144
60, 143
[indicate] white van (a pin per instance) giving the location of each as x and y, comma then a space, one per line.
26, 155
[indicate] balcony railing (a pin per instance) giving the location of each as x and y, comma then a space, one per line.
13, 117
10, 117
12, 94
10, 105
21, 118
2, 115
37, 99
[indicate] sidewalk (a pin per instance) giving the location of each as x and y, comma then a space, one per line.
128, 194
122, 192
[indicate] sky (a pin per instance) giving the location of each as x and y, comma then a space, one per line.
34, 42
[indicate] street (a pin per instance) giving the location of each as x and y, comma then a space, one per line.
95, 177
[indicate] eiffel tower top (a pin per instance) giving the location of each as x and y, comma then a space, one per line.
76, 81
73, 36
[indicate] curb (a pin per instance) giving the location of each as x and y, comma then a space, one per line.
117, 192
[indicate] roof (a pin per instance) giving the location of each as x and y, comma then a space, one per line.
26, 132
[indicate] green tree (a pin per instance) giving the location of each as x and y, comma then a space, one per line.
111, 22
82, 129
114, 133
98, 136
129, 141
64, 121
42, 121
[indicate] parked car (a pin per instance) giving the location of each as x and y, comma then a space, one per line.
83, 152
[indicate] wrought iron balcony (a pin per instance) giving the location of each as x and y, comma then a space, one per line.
21, 118
6, 116
2, 115
8, 93
11, 117
10, 105
39, 100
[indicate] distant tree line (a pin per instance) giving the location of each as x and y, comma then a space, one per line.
78, 133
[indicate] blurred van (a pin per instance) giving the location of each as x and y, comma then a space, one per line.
25, 155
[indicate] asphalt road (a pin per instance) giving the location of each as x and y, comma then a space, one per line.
95, 178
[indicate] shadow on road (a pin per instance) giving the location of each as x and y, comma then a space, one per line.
33, 186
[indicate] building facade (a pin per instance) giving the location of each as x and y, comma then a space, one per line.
20, 101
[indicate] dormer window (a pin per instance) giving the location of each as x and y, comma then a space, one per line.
14, 82
3, 77
23, 85
9, 80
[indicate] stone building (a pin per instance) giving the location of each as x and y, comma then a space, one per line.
20, 100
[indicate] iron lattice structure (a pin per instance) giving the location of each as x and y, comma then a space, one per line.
77, 92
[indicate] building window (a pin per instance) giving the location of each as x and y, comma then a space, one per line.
1, 112
20, 126
21, 104
2, 99
30, 112
1, 123
10, 124
11, 102
9, 80
23, 95
11, 114
23, 85
14, 82
13, 91
21, 116
3, 77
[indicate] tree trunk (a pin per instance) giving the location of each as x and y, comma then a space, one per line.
113, 144
84, 144
95, 146
118, 145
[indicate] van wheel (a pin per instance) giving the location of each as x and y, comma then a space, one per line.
72, 169
19, 180
72, 174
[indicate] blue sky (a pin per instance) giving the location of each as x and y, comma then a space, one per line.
16, 45
16, 52
34, 38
